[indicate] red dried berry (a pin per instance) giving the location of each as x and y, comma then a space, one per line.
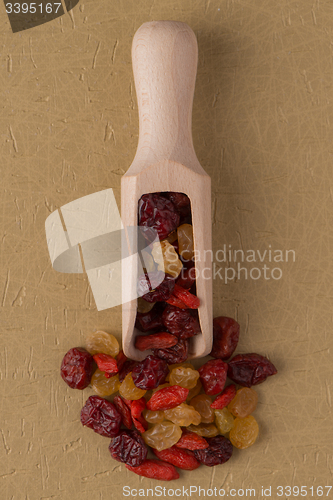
179, 458
127, 367
155, 469
250, 369
102, 416
161, 340
179, 200
77, 368
186, 278
176, 354
225, 398
137, 407
218, 452
106, 363
155, 286
124, 411
173, 301
213, 376
191, 441
180, 322
121, 359
128, 447
150, 373
168, 397
158, 213
225, 337
151, 320
185, 296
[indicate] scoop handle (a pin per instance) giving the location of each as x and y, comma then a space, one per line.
165, 56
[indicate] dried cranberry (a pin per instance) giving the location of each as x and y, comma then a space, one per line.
180, 322
126, 368
128, 447
158, 213
150, 373
179, 200
124, 410
176, 354
250, 369
77, 368
186, 277
151, 320
102, 416
121, 359
213, 376
155, 286
218, 452
225, 337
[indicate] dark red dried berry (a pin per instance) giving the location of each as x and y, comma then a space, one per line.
126, 368
124, 410
176, 354
179, 200
155, 286
121, 359
178, 457
158, 213
151, 320
102, 416
161, 340
77, 368
225, 337
218, 452
128, 447
186, 278
180, 322
250, 369
213, 376
150, 373
137, 407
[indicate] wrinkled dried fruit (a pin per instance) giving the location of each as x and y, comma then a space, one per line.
186, 278
137, 408
184, 376
166, 257
102, 416
202, 403
180, 322
150, 373
126, 368
175, 354
178, 457
183, 415
124, 411
128, 447
213, 376
161, 340
153, 417
218, 452
77, 367
225, 398
155, 469
144, 306
167, 398
104, 386
163, 435
250, 369
106, 363
121, 360
195, 391
224, 420
129, 390
155, 286
244, 402
151, 320
204, 430
191, 441
102, 342
244, 432
158, 213
180, 200
192, 301
225, 337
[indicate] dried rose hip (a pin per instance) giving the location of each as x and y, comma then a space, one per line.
158, 213
175, 354
192, 301
128, 447
218, 451
124, 411
225, 337
225, 398
179, 458
155, 286
191, 441
150, 373
150, 320
77, 368
161, 340
168, 397
180, 322
250, 369
173, 301
155, 469
106, 363
137, 407
213, 375
102, 416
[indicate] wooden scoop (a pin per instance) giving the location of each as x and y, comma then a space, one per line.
164, 56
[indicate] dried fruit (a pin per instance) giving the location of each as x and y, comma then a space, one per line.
225, 398
155, 286
195, 391
191, 441
185, 241
192, 301
202, 403
129, 390
173, 301
126, 368
124, 411
158, 213
244, 402
175, 354
77, 367
166, 257
151, 320
167, 398
224, 420
102, 342
178, 457
180, 322
180, 200
106, 363
213, 376
128, 447
144, 306
205, 430
161, 340
121, 360
163, 435
183, 415
104, 386
153, 417
155, 469
184, 376
101, 416
186, 278
137, 408
250, 369
219, 451
150, 373
244, 432
225, 337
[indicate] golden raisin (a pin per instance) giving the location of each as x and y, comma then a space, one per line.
244, 432
224, 420
153, 417
162, 436
166, 258
205, 430
244, 403
185, 377
195, 391
102, 342
183, 415
129, 390
104, 386
202, 404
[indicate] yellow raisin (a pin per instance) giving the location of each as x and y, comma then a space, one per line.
244, 403
185, 377
102, 342
202, 403
224, 420
166, 258
183, 415
205, 430
129, 390
195, 391
162, 436
104, 386
153, 417
244, 433
185, 241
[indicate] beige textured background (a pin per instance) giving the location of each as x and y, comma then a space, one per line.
262, 128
